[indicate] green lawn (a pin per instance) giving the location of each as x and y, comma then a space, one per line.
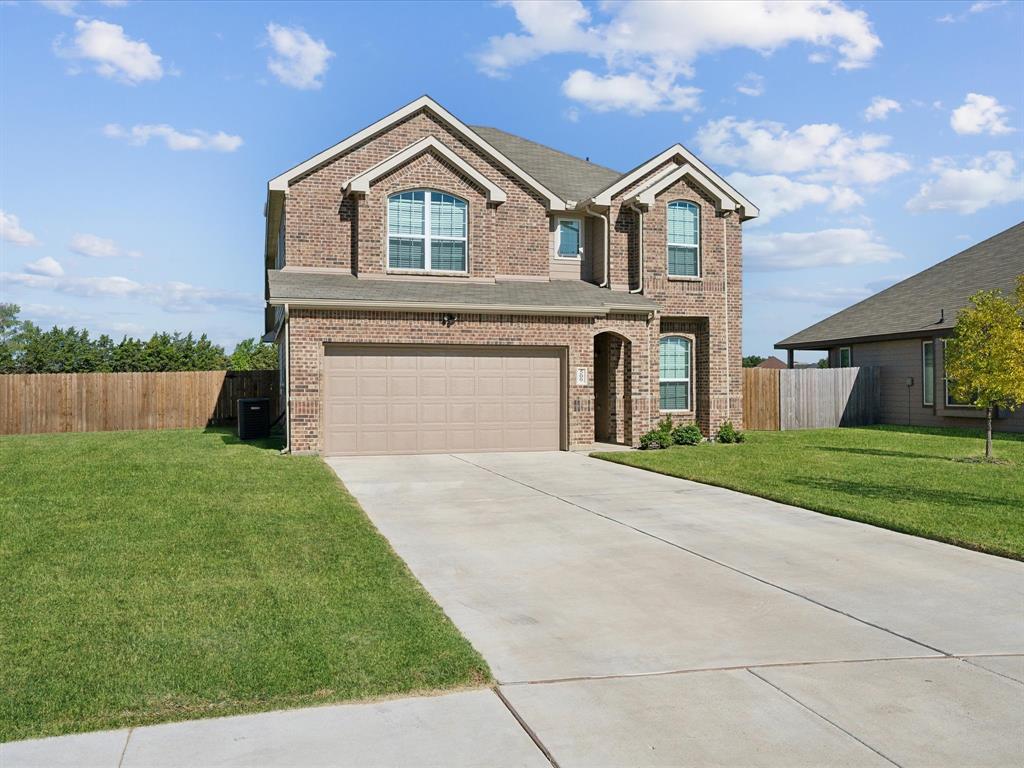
901, 478
154, 576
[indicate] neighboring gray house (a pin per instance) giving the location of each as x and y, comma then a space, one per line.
902, 331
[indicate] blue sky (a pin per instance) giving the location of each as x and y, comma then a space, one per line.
136, 138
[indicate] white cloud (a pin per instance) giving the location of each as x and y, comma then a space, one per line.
113, 54
980, 114
752, 84
572, 115
300, 61
631, 93
194, 139
99, 247
657, 43
63, 7
880, 108
171, 296
827, 296
827, 247
776, 195
12, 231
987, 180
821, 151
45, 266
978, 7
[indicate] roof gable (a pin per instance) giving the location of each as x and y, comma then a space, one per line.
281, 182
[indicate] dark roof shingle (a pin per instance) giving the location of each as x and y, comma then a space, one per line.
568, 176
917, 303
565, 296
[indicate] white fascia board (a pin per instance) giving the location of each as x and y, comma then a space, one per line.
281, 182
604, 197
362, 182
646, 197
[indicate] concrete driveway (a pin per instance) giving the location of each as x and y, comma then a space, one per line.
633, 619
637, 619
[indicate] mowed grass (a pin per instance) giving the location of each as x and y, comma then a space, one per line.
155, 576
901, 478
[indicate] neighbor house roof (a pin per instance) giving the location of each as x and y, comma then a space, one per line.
321, 288
771, 362
571, 177
928, 302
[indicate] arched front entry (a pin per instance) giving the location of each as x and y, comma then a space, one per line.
613, 386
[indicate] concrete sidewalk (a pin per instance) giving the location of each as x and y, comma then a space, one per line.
636, 619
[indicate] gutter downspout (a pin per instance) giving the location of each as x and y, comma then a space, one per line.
728, 369
285, 322
640, 235
607, 245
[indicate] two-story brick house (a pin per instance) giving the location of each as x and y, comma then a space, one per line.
436, 287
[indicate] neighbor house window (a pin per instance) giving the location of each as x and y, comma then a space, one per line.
569, 238
674, 366
845, 358
951, 402
683, 239
427, 231
928, 372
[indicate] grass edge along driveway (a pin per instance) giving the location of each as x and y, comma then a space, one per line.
155, 576
901, 478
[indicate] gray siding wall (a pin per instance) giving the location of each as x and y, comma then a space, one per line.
900, 404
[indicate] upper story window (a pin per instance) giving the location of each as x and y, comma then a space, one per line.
427, 231
674, 367
683, 239
569, 239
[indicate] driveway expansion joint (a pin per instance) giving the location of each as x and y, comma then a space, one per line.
707, 558
526, 727
827, 720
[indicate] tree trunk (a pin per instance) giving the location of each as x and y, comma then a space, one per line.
988, 433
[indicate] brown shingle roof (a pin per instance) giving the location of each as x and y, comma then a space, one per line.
568, 176
916, 304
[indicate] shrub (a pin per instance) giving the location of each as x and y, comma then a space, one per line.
727, 433
660, 437
687, 434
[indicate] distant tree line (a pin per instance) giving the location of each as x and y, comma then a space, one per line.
27, 348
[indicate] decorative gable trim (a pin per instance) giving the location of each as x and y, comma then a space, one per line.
361, 184
666, 180
281, 183
681, 154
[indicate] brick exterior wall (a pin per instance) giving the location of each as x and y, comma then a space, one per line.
325, 229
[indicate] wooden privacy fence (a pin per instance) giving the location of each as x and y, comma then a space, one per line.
810, 398
101, 402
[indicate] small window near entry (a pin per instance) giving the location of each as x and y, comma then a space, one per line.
674, 366
845, 358
683, 239
928, 373
569, 239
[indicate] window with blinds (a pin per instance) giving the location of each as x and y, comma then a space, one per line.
427, 231
683, 239
674, 367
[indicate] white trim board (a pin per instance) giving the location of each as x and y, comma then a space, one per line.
361, 184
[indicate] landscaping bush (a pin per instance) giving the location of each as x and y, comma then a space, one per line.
727, 433
687, 434
661, 437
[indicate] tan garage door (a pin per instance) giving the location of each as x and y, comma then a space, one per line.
441, 399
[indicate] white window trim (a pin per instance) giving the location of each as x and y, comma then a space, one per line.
688, 380
927, 397
558, 238
669, 244
945, 384
426, 237
849, 354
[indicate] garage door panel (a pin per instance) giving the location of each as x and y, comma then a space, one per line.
441, 399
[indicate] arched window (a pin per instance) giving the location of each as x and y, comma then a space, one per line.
674, 365
427, 231
683, 239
